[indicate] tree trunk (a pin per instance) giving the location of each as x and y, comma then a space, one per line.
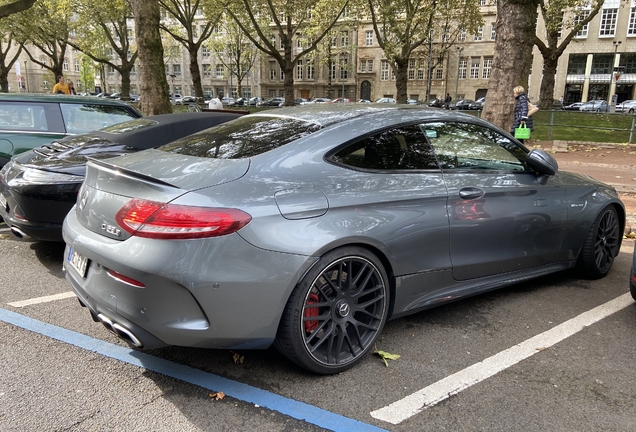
516, 30
125, 81
401, 81
546, 92
4, 79
289, 74
195, 73
154, 85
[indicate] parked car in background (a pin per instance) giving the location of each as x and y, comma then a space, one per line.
274, 102
594, 106
256, 100
556, 104
241, 101
28, 121
627, 106
462, 104
385, 100
317, 100
341, 100
412, 102
228, 101
576, 106
39, 187
478, 104
363, 101
293, 228
185, 100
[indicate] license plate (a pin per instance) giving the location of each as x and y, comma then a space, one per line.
78, 262
3, 202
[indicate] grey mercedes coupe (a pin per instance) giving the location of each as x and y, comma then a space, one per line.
309, 227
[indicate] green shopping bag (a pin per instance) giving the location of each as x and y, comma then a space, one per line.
522, 132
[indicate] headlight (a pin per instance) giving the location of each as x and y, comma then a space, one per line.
30, 175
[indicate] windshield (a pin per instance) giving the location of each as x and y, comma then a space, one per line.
242, 138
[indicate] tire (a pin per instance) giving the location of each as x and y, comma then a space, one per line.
631, 110
336, 312
601, 245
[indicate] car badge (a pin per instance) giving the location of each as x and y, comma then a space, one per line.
111, 230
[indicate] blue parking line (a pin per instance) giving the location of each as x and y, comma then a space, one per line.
237, 390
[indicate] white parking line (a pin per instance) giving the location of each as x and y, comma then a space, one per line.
44, 299
403, 409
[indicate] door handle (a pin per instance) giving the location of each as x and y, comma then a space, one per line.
471, 193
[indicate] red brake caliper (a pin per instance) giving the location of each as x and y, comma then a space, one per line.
311, 312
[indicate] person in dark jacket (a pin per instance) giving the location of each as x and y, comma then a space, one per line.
521, 111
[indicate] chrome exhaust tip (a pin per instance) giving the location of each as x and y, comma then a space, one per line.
119, 330
18, 232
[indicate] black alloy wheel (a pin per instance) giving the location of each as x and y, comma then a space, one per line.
336, 312
601, 245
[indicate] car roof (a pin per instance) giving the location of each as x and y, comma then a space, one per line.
328, 114
57, 98
176, 125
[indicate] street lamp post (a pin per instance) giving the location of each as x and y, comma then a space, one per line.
26, 77
459, 57
612, 99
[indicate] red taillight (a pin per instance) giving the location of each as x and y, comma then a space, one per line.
153, 219
125, 279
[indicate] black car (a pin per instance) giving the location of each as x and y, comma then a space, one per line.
478, 104
274, 102
463, 104
39, 187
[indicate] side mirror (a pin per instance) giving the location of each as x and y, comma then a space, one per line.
543, 163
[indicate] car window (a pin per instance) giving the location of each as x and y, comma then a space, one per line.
82, 118
402, 148
26, 116
461, 146
242, 138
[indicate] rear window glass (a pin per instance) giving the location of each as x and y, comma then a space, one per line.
242, 138
88, 117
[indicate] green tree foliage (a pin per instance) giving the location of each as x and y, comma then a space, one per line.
427, 28
103, 34
274, 26
233, 49
563, 19
182, 25
46, 26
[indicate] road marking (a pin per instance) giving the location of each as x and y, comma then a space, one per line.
415, 403
243, 392
44, 299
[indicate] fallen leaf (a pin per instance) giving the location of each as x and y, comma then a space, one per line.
631, 235
619, 177
217, 395
385, 355
542, 349
237, 358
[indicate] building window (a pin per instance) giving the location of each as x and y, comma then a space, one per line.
463, 68
581, 16
219, 71
111, 71
576, 64
363, 66
282, 75
344, 39
247, 92
411, 71
207, 91
493, 31
334, 42
479, 35
608, 22
205, 52
65, 64
43, 61
299, 70
384, 70
282, 43
439, 73
310, 69
233, 93
474, 67
77, 65
420, 69
344, 73
177, 89
207, 70
485, 72
462, 36
631, 29
602, 63
368, 40
176, 69
133, 72
332, 70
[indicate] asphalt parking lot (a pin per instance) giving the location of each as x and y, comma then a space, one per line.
555, 353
